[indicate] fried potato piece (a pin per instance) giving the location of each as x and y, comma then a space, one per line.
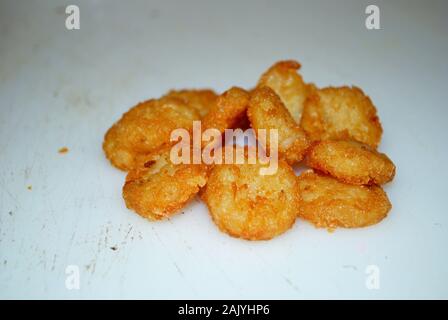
160, 188
341, 113
201, 100
229, 110
145, 129
328, 203
288, 84
267, 111
351, 162
245, 204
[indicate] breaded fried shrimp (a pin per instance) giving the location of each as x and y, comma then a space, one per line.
245, 204
146, 128
328, 203
202, 100
158, 189
341, 113
267, 111
351, 162
229, 110
284, 79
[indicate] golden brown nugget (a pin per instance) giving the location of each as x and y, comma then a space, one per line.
245, 204
202, 100
328, 203
229, 111
267, 111
159, 188
341, 113
284, 79
145, 129
351, 162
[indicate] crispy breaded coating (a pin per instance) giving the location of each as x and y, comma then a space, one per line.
245, 204
351, 162
341, 113
229, 110
202, 100
328, 203
145, 129
284, 79
267, 111
159, 188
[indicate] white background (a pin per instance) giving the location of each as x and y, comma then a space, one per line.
65, 88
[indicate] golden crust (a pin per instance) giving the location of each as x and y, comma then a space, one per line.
341, 113
145, 129
245, 204
266, 111
351, 162
229, 110
202, 100
284, 79
159, 188
328, 203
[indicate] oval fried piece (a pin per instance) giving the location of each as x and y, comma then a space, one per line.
202, 100
328, 203
159, 188
341, 113
245, 204
145, 129
284, 79
351, 162
229, 110
267, 111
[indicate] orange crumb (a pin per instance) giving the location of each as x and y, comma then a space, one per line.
63, 150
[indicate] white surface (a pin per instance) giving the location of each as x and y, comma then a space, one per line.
65, 88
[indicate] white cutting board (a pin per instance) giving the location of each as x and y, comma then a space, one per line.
65, 88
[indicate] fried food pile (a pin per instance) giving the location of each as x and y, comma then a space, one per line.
334, 131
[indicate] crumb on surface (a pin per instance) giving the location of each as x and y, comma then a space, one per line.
63, 150
114, 248
30, 187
